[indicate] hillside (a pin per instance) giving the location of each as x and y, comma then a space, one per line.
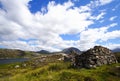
43, 52
116, 50
117, 54
12, 53
51, 67
71, 50
61, 71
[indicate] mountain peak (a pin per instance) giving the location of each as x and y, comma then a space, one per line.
116, 50
43, 52
71, 50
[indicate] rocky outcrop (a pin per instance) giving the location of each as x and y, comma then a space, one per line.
94, 57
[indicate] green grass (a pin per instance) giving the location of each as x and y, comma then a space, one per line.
61, 72
13, 53
53, 70
117, 54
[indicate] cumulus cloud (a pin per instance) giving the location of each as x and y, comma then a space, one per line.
112, 35
17, 45
46, 25
88, 38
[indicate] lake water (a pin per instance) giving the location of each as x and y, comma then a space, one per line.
7, 61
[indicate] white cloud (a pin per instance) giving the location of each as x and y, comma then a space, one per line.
113, 24
99, 16
17, 22
112, 45
101, 21
97, 3
17, 45
94, 34
89, 37
104, 2
112, 18
111, 35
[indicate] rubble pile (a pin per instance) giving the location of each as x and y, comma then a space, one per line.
94, 57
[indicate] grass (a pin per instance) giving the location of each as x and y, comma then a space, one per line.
13, 53
53, 70
60, 72
117, 54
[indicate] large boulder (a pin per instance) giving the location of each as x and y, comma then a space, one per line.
94, 57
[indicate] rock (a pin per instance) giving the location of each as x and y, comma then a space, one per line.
24, 65
118, 67
96, 56
61, 59
17, 66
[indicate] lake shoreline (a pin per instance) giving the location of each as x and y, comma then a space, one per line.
13, 60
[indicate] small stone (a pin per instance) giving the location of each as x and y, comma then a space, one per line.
17, 66
97, 56
24, 65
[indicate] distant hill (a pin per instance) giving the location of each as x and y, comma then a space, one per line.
13, 53
43, 52
116, 50
117, 53
70, 50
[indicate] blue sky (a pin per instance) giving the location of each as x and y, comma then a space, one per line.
36, 5
57, 24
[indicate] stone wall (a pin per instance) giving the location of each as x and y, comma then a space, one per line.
94, 57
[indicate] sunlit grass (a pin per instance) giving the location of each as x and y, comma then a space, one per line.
62, 72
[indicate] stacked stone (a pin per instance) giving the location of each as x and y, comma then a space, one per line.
95, 57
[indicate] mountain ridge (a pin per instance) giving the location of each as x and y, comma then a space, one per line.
71, 50
116, 50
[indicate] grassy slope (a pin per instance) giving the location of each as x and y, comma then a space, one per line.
53, 70
60, 72
117, 54
12, 53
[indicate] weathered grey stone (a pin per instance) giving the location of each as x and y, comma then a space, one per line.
93, 57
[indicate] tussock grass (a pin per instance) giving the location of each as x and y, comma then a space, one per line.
61, 71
